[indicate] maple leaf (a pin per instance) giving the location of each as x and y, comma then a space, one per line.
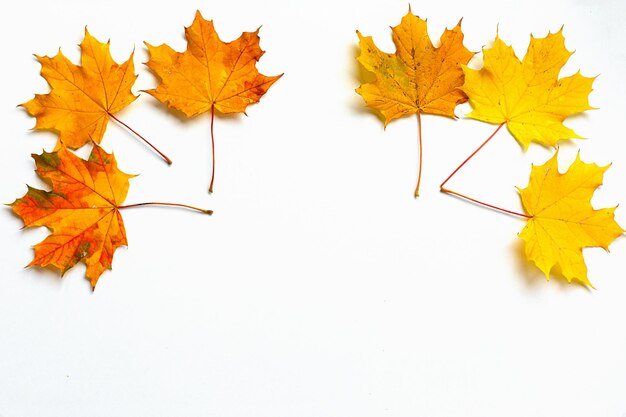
562, 220
211, 75
81, 210
82, 97
418, 78
527, 95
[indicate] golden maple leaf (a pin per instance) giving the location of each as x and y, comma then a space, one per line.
210, 74
562, 221
82, 97
81, 210
527, 95
418, 78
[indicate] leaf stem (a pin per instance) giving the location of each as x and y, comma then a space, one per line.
153, 203
448, 191
515, 213
471, 156
419, 135
212, 149
168, 160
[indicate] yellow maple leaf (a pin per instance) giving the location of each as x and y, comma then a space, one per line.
562, 221
81, 210
82, 97
419, 77
527, 95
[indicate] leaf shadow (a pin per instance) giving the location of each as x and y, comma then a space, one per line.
56, 278
49, 273
532, 276
49, 135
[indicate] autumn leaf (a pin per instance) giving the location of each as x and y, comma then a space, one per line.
211, 75
82, 210
527, 95
562, 220
82, 96
419, 77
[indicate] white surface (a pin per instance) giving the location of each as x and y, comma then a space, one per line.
320, 287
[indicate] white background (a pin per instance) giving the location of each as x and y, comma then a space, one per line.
320, 287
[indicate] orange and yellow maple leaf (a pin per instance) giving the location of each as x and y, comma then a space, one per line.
562, 220
419, 77
82, 97
81, 210
210, 74
527, 95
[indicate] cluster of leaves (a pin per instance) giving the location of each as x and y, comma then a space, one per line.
212, 76
82, 208
530, 99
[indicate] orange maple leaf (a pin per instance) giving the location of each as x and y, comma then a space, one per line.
82, 210
82, 97
419, 77
211, 75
